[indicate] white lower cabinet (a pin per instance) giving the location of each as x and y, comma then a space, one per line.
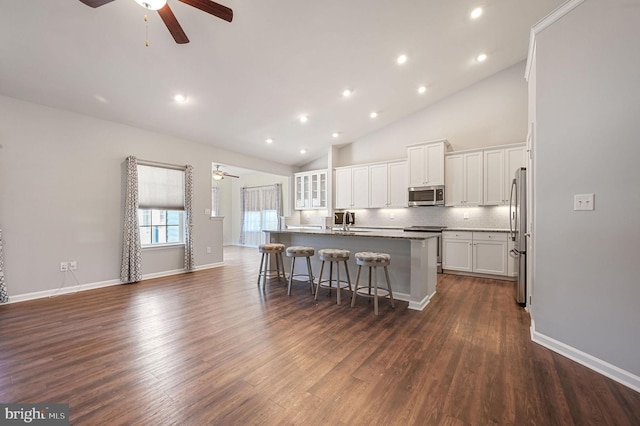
477, 252
457, 253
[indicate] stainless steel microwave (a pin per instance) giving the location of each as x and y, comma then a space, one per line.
426, 196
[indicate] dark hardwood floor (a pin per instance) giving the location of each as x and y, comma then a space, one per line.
210, 348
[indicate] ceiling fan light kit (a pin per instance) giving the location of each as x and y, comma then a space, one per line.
169, 19
152, 4
219, 174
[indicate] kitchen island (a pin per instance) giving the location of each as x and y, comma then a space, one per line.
413, 269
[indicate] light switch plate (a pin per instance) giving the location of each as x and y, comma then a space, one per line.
207, 212
583, 202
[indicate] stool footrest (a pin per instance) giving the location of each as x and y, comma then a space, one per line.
364, 291
327, 284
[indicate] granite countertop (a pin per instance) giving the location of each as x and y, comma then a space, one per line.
378, 233
455, 228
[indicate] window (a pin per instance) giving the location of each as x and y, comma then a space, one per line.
260, 209
215, 201
161, 227
161, 205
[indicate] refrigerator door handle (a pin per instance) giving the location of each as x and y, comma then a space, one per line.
512, 213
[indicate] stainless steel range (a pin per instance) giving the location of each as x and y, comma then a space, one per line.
432, 229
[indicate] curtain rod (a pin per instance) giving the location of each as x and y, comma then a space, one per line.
260, 186
159, 164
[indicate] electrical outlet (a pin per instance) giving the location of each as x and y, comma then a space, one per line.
73, 265
465, 215
208, 249
583, 202
64, 266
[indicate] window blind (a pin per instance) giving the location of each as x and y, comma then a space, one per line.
160, 188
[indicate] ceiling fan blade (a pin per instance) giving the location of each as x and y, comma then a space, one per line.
228, 175
172, 24
212, 8
96, 3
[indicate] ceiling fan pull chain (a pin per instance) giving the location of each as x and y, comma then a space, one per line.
146, 25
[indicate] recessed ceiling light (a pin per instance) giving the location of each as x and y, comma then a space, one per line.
401, 59
481, 57
180, 98
336, 135
346, 93
422, 89
475, 13
303, 118
269, 140
373, 114
303, 151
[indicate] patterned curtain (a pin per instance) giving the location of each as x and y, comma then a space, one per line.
189, 262
261, 208
4, 297
131, 270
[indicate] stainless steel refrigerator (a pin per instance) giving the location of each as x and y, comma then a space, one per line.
518, 229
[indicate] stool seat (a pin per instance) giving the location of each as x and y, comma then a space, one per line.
300, 251
268, 251
376, 259
274, 247
334, 254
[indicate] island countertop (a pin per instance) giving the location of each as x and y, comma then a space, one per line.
377, 233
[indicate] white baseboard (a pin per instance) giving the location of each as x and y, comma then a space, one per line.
209, 266
609, 370
419, 306
92, 286
61, 291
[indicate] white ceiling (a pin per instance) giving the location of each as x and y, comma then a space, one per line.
248, 80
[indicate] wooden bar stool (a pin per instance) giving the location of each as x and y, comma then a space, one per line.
300, 251
270, 252
373, 261
334, 256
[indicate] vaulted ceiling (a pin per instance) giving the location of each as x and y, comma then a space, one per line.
249, 80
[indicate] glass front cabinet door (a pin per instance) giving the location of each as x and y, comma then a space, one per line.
311, 190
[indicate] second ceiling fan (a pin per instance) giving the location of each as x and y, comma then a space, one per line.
170, 19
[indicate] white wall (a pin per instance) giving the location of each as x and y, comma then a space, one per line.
488, 113
61, 198
587, 286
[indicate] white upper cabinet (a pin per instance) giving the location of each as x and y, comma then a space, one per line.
500, 165
311, 190
352, 187
426, 163
343, 188
464, 179
398, 178
379, 185
360, 188
388, 184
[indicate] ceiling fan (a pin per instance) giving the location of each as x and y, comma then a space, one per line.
169, 18
219, 174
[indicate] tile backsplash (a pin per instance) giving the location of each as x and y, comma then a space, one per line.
477, 217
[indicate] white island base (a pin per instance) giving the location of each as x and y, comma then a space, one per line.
413, 269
